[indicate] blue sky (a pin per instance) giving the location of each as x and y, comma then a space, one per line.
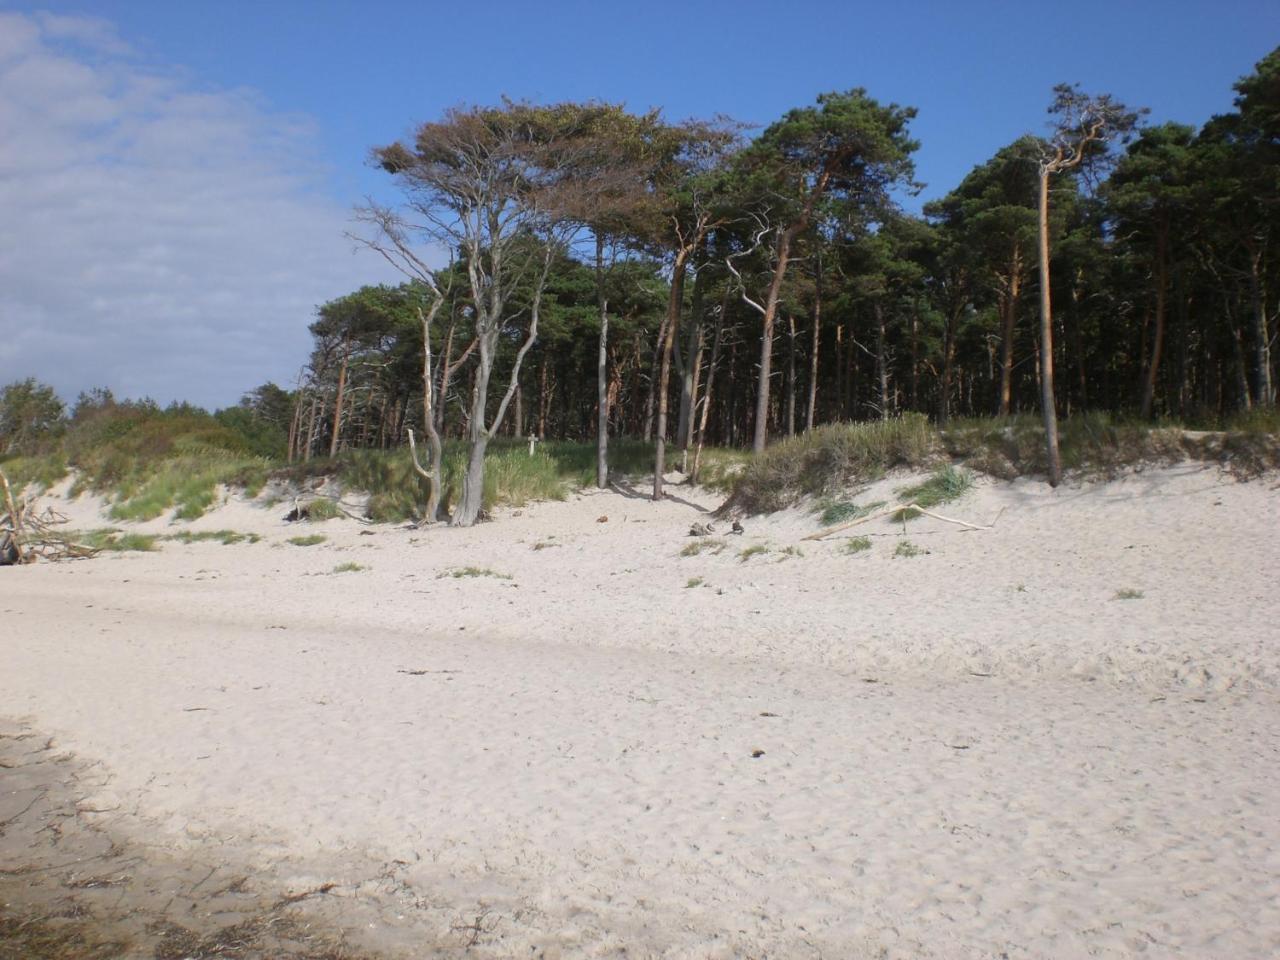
301, 91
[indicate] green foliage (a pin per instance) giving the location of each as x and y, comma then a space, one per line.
30, 414
322, 508
693, 582
842, 511
1102, 445
857, 544
718, 468
906, 548
112, 539
41, 471
224, 537
832, 458
755, 550
1129, 594
310, 540
946, 485
847, 145
701, 544
348, 567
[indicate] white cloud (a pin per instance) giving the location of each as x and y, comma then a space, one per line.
157, 238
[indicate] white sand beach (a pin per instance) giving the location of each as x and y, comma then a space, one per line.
613, 749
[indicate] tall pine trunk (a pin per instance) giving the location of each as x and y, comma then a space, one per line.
1008, 326
1157, 337
811, 406
1047, 403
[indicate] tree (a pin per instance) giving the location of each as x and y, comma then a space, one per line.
992, 215
29, 411
848, 147
692, 203
1082, 128
1148, 193
491, 183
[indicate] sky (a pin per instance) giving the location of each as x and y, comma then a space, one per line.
177, 180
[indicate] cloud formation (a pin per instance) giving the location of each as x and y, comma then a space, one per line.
158, 238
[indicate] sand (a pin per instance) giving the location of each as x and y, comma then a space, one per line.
611, 748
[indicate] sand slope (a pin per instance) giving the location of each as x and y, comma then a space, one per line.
975, 751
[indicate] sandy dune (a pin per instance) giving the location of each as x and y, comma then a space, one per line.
977, 751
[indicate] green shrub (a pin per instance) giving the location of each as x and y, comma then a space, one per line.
308, 541
112, 539
857, 544
832, 458
946, 485
842, 511
225, 537
41, 471
322, 508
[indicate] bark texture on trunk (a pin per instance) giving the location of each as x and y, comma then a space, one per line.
672, 325
812, 405
1047, 403
602, 374
1157, 335
882, 361
1008, 328
337, 404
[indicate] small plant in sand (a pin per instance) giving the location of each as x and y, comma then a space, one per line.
695, 547
842, 511
944, 486
224, 537
310, 540
322, 508
907, 549
545, 544
754, 550
792, 552
1129, 594
349, 567
460, 573
110, 538
693, 582
857, 544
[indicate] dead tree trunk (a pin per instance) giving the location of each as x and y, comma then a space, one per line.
672, 326
337, 404
602, 373
811, 407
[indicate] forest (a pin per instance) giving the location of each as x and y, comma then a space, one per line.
579, 272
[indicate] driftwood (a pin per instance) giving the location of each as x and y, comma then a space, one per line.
28, 535
885, 511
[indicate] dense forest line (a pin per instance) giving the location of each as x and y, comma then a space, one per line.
615, 274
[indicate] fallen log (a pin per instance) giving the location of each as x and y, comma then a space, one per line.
27, 536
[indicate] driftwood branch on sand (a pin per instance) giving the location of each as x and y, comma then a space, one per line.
895, 508
28, 535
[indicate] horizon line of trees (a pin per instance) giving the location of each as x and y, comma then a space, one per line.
615, 274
